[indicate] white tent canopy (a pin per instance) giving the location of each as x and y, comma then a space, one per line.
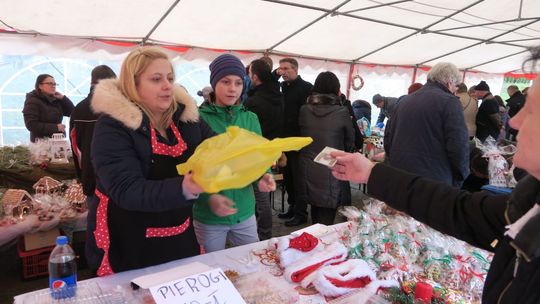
491, 36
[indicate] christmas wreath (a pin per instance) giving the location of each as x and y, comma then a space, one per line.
357, 82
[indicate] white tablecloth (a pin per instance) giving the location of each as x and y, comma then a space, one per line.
232, 258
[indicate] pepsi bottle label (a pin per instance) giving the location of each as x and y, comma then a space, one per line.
64, 287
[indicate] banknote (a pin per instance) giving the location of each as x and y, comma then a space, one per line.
324, 157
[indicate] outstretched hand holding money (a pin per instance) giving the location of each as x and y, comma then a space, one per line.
353, 167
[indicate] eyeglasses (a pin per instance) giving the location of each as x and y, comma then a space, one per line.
50, 83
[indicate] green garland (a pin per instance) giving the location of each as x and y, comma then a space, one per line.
15, 158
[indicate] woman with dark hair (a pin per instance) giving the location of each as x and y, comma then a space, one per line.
325, 120
44, 108
506, 225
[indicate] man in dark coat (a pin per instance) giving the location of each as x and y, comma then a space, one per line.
428, 135
81, 130
488, 119
265, 100
387, 106
514, 104
295, 92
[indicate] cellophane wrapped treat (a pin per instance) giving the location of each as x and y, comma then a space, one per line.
401, 248
264, 288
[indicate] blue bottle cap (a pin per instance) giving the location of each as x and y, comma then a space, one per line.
61, 240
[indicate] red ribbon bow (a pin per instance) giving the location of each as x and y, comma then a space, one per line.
305, 242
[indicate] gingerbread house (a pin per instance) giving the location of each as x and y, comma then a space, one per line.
17, 203
47, 185
74, 194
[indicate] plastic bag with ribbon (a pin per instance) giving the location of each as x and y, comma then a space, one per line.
236, 158
364, 126
497, 163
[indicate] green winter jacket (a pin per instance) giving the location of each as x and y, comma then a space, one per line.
219, 118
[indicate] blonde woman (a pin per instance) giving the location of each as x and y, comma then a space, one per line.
142, 212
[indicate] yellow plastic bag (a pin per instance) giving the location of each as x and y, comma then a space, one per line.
236, 158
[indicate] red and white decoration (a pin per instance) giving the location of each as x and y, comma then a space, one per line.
309, 262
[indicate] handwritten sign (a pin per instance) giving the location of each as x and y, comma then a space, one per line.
210, 287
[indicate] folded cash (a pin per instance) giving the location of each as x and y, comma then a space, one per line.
324, 157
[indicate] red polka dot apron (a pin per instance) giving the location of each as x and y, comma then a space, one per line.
134, 239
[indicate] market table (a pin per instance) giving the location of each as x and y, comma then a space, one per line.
243, 259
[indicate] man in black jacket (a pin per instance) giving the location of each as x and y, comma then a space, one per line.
387, 106
427, 134
81, 130
488, 119
514, 104
295, 92
505, 225
265, 100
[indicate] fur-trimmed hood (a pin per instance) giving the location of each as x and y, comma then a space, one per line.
108, 99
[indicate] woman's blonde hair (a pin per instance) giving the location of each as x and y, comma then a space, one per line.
133, 66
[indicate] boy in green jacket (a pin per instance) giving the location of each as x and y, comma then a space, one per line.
230, 215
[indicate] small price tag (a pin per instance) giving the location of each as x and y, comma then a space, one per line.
210, 287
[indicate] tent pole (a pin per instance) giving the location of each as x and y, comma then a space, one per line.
375, 6
463, 77
382, 21
309, 24
518, 40
414, 74
420, 30
349, 79
483, 24
496, 59
159, 21
485, 41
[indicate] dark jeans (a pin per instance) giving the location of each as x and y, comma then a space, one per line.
291, 178
263, 212
322, 215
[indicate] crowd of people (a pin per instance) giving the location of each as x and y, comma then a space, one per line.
129, 134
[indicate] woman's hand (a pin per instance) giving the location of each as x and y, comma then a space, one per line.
267, 183
190, 188
352, 167
58, 95
221, 205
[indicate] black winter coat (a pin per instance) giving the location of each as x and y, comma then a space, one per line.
42, 116
329, 124
427, 135
478, 219
81, 131
515, 103
295, 94
122, 156
485, 124
266, 101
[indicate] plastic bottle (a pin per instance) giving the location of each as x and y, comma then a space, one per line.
62, 270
